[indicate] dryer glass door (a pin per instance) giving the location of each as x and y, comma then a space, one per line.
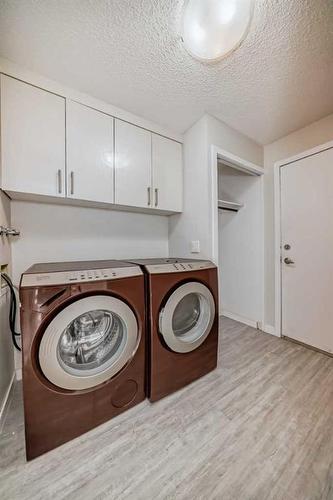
187, 318
88, 342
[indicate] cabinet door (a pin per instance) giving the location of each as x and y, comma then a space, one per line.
133, 165
167, 174
32, 139
89, 154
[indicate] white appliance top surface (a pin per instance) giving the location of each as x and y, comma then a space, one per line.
77, 272
173, 265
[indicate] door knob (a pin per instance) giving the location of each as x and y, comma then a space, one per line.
288, 261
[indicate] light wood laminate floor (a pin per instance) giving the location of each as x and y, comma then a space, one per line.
259, 427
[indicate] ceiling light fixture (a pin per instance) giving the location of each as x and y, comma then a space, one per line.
214, 28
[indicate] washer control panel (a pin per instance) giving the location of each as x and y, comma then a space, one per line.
179, 267
71, 277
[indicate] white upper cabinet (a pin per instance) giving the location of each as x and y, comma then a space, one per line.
32, 139
148, 169
133, 184
90, 159
167, 174
57, 147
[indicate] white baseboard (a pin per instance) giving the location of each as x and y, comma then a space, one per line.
270, 329
240, 319
6, 401
249, 322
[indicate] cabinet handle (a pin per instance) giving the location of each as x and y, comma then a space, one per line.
149, 195
156, 197
72, 182
59, 182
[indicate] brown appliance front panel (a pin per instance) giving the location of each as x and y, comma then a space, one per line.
168, 370
53, 415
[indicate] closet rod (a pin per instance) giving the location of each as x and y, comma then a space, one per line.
228, 209
232, 206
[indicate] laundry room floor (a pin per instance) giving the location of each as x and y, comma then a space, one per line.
259, 427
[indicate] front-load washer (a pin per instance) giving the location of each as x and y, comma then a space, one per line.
83, 347
182, 322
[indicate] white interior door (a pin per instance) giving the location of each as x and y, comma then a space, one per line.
167, 174
133, 165
307, 266
89, 153
32, 139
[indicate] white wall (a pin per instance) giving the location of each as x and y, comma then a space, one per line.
191, 224
306, 138
4, 221
53, 233
225, 137
195, 223
241, 249
6, 347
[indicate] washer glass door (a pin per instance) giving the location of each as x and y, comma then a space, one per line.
187, 317
88, 342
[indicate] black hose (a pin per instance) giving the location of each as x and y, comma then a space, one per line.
12, 310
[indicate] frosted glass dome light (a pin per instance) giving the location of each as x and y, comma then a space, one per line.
213, 28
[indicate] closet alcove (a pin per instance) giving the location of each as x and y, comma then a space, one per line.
240, 244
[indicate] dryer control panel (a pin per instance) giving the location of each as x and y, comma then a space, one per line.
179, 267
70, 277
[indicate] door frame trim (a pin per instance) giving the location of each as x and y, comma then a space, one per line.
277, 226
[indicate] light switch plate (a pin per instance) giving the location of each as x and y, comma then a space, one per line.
195, 246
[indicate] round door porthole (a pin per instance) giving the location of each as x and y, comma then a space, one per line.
88, 342
187, 317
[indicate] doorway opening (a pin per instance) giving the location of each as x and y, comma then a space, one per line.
237, 234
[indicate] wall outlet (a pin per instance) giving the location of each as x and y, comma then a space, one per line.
195, 246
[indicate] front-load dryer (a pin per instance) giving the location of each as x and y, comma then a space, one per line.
182, 322
83, 340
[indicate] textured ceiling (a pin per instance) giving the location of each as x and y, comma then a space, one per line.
129, 53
